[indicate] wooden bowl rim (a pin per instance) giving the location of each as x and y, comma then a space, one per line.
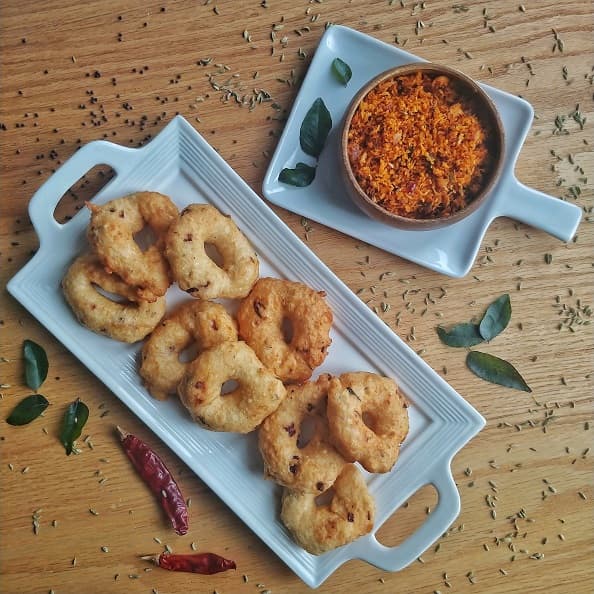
368, 205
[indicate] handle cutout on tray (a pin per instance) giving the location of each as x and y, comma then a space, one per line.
409, 517
85, 188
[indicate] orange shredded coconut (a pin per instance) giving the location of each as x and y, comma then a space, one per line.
416, 148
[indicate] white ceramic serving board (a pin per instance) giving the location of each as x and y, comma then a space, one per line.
181, 164
450, 250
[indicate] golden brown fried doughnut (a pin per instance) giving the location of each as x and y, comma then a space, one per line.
198, 226
368, 419
201, 322
261, 316
128, 322
111, 235
321, 528
257, 395
314, 467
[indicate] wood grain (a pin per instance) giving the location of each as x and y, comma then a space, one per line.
75, 72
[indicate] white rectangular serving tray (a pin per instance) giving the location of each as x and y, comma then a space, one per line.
181, 164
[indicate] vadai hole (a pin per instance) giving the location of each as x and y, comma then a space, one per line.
145, 238
325, 498
113, 296
213, 253
189, 353
229, 386
307, 430
369, 420
287, 330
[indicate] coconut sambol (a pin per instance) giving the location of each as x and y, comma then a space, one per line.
419, 144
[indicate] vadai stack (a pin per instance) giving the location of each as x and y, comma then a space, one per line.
117, 265
250, 372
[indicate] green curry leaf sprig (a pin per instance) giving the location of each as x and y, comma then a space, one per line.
342, 71
36, 368
467, 334
74, 420
36, 364
33, 406
313, 133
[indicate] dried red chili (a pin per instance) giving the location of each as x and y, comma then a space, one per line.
157, 476
205, 563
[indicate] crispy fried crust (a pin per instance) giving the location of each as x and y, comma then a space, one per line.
261, 316
198, 226
127, 322
368, 419
202, 323
111, 235
321, 528
258, 394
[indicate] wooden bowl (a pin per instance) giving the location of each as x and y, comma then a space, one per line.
483, 107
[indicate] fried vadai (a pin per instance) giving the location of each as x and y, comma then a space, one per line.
368, 419
313, 467
202, 323
262, 316
321, 528
111, 235
258, 392
128, 321
200, 226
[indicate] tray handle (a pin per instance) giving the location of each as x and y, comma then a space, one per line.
437, 523
553, 215
45, 200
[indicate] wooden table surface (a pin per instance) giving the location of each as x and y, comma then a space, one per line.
75, 72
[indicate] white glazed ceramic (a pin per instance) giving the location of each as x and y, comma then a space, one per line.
180, 163
451, 250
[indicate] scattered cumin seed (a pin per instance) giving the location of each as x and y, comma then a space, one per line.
105, 549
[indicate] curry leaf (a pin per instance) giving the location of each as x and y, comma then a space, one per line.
341, 71
315, 128
74, 420
301, 176
460, 335
496, 370
36, 364
27, 410
496, 318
